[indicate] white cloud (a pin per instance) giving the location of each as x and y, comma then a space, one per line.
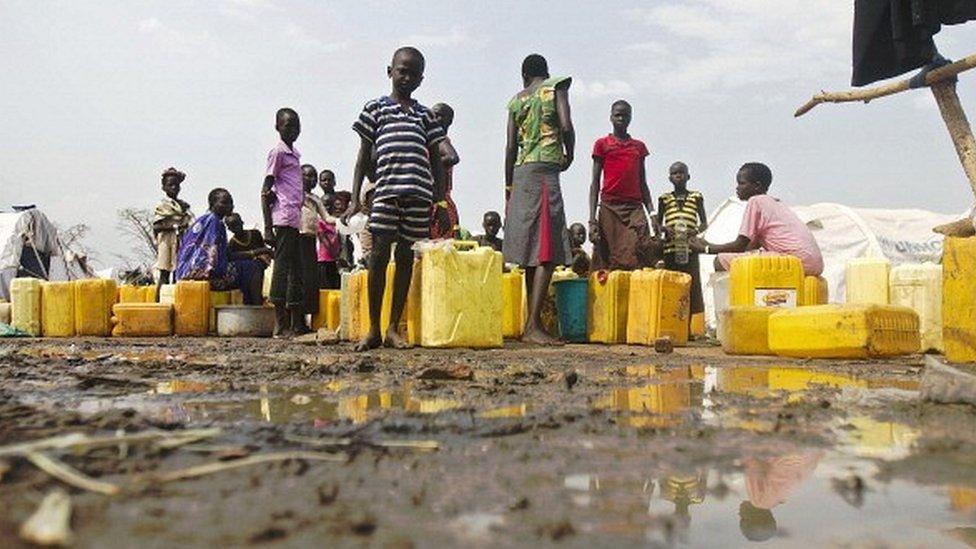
171, 40
455, 37
302, 39
595, 89
740, 43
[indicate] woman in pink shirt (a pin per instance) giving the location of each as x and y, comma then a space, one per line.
768, 226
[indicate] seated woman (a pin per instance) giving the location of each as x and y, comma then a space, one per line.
248, 252
203, 253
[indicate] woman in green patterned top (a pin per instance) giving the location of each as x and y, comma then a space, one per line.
540, 145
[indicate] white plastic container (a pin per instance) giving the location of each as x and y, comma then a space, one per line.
866, 279
919, 287
245, 321
167, 293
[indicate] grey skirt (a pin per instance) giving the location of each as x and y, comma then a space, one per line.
535, 220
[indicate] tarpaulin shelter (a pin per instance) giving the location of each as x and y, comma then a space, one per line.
29, 246
843, 233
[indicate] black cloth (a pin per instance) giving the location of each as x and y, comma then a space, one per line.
692, 268
489, 242
892, 37
329, 278
286, 281
252, 239
309, 273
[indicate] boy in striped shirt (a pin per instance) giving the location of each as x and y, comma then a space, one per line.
406, 137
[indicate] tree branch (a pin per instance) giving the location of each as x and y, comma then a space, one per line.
867, 94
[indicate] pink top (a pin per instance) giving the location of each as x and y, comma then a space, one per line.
285, 165
775, 228
329, 248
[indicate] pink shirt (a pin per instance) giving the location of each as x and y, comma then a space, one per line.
285, 165
775, 228
330, 247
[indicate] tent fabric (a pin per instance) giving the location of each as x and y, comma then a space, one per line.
843, 233
33, 228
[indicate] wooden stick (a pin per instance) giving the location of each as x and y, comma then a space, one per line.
80, 440
70, 475
219, 466
958, 126
867, 94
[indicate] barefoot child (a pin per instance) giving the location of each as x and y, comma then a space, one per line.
768, 226
312, 211
682, 207
540, 145
619, 231
170, 220
409, 178
491, 223
443, 214
282, 196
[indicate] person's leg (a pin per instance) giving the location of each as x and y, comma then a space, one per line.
379, 258
401, 287
333, 280
534, 332
286, 243
296, 294
309, 282
255, 285
163, 279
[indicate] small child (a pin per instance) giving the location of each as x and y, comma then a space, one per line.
491, 223
682, 206
409, 178
170, 220
313, 210
768, 226
444, 214
282, 197
581, 261
332, 244
620, 206
327, 183
247, 250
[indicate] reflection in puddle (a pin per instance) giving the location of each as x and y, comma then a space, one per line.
787, 500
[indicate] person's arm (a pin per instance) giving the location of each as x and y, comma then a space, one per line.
511, 153
437, 170
268, 198
449, 155
595, 198
660, 216
646, 199
739, 245
566, 130
363, 160
702, 216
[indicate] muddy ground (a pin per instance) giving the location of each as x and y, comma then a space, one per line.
586, 446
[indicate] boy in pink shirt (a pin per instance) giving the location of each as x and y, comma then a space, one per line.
282, 196
768, 226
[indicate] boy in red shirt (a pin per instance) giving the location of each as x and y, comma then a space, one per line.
620, 233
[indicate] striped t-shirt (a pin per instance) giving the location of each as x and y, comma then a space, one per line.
402, 139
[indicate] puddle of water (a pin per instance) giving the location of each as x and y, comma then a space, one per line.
788, 500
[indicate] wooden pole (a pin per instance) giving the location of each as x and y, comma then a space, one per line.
958, 126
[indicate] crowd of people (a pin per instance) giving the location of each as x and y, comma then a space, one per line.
402, 186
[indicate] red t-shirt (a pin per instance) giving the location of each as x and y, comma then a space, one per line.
621, 167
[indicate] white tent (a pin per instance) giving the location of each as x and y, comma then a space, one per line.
843, 233
30, 232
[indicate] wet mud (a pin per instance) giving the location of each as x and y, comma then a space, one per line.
577, 446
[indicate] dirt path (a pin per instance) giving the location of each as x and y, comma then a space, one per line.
580, 445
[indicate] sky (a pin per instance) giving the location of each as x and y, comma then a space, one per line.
99, 97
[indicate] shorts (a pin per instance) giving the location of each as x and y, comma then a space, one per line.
167, 245
405, 217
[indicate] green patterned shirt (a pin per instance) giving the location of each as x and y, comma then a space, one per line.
537, 123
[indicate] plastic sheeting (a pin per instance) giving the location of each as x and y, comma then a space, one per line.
32, 227
843, 233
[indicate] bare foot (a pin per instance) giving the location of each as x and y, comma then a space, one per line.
394, 340
537, 336
284, 333
371, 341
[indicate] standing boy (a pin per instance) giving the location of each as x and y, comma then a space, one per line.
409, 178
312, 211
282, 196
540, 144
768, 226
491, 223
170, 220
685, 209
327, 182
620, 233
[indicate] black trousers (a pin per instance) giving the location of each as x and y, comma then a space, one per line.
309, 273
329, 278
286, 281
